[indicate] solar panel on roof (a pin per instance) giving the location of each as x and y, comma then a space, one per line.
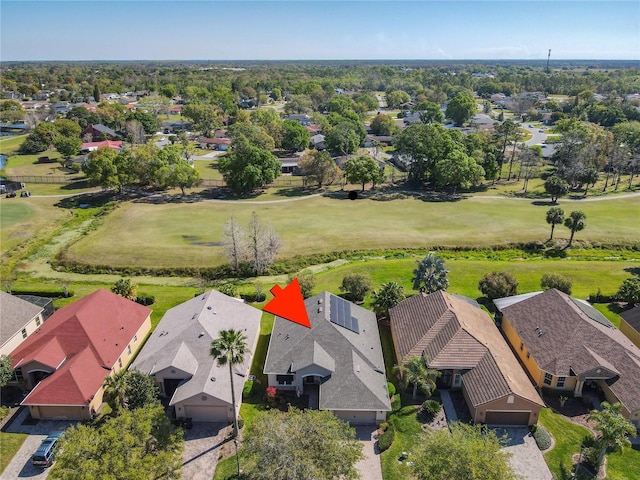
341, 314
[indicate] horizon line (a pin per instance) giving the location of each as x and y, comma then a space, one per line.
333, 60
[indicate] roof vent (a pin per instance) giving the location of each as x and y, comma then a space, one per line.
201, 334
540, 333
357, 368
319, 309
213, 379
209, 307
286, 337
319, 301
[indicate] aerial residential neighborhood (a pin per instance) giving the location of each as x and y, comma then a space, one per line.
320, 240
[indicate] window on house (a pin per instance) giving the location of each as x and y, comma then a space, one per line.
521, 346
135, 338
510, 399
38, 322
120, 362
284, 379
128, 350
528, 355
560, 383
24, 333
547, 378
18, 372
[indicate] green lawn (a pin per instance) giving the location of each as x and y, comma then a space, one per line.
10, 144
136, 233
408, 431
10, 443
568, 436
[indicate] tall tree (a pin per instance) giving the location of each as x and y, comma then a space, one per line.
363, 170
431, 274
318, 167
301, 445
6, 372
629, 291
383, 124
555, 216
556, 187
248, 167
613, 428
136, 445
235, 244
125, 288
472, 452
575, 223
557, 281
183, 176
68, 146
229, 349
457, 170
115, 391
414, 370
461, 108
295, 136
343, 139
389, 295
263, 244
429, 112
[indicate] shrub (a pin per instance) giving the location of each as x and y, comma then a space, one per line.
247, 390
557, 281
307, 281
145, 299
392, 389
432, 407
228, 289
358, 285
384, 426
542, 437
240, 423
4, 411
385, 440
498, 285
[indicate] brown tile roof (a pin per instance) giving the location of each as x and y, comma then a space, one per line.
455, 334
575, 341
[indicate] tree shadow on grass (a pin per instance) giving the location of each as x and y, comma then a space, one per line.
87, 200
296, 192
633, 271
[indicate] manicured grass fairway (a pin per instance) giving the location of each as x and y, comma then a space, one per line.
23, 218
11, 144
190, 234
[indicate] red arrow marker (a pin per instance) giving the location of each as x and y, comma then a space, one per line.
289, 304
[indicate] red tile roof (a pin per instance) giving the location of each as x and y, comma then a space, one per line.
96, 328
115, 144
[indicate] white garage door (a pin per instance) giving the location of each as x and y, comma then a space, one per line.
201, 413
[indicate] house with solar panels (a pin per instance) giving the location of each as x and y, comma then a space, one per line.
337, 363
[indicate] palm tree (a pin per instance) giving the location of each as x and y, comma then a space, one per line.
229, 349
575, 223
416, 371
430, 276
555, 216
613, 428
115, 390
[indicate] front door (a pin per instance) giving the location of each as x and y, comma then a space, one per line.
457, 380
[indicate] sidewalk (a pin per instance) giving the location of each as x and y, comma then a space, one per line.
447, 404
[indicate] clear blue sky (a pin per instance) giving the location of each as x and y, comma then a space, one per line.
292, 30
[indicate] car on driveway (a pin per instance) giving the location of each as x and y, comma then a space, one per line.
46, 453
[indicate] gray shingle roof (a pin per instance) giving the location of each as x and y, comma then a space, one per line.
575, 340
182, 340
632, 317
357, 380
15, 313
455, 334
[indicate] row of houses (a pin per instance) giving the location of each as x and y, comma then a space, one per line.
545, 340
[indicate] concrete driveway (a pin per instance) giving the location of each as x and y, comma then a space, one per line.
526, 458
202, 450
369, 467
20, 466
